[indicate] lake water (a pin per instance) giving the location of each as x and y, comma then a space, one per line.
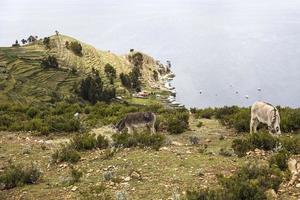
219, 47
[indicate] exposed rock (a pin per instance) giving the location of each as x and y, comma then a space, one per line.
108, 175
207, 140
175, 143
26, 150
271, 194
298, 185
74, 188
194, 140
127, 179
121, 195
136, 175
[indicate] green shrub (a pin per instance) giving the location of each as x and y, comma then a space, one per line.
66, 154
176, 121
263, 140
32, 112
280, 159
18, 175
102, 143
240, 120
76, 175
206, 113
292, 145
241, 147
126, 140
84, 141
290, 119
88, 141
200, 124
207, 194
248, 183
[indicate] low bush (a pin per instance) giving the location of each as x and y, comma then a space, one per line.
280, 159
75, 175
66, 154
200, 124
260, 140
18, 175
290, 119
175, 121
206, 113
291, 144
88, 141
142, 140
263, 140
241, 147
248, 183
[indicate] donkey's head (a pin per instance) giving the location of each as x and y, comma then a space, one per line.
275, 124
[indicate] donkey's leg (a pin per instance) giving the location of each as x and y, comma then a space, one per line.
153, 131
251, 125
130, 129
256, 122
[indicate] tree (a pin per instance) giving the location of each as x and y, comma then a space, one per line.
76, 48
31, 39
155, 75
46, 42
110, 72
132, 80
136, 59
50, 62
92, 89
24, 41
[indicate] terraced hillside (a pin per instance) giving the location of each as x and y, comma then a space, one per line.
24, 80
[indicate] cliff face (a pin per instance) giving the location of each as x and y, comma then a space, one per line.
24, 80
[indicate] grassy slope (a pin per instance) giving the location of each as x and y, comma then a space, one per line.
173, 168
23, 80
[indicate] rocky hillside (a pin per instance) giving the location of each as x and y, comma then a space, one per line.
24, 80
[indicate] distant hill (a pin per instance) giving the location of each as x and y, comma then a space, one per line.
24, 80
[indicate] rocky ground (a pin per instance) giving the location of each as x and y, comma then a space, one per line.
180, 165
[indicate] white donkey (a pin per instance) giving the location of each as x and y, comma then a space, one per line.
265, 113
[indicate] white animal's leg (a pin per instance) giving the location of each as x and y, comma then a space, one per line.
256, 122
130, 129
251, 125
153, 131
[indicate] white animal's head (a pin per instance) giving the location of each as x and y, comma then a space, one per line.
275, 124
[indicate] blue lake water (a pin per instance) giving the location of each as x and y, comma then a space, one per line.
219, 47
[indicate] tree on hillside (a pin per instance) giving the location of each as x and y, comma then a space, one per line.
50, 62
76, 48
136, 59
125, 80
135, 79
46, 42
92, 89
110, 72
132, 80
31, 39
24, 41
